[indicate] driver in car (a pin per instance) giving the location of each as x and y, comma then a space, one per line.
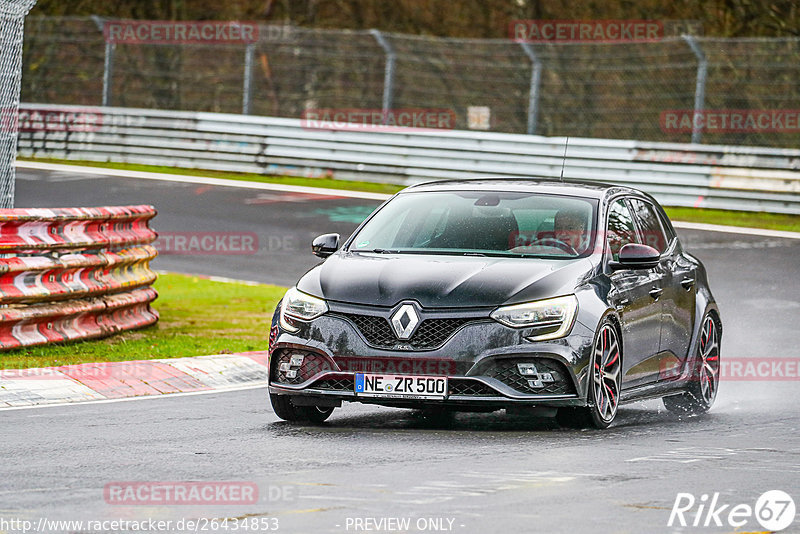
569, 226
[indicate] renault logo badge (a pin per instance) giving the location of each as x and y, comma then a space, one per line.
404, 321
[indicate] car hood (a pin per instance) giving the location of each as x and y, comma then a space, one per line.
441, 281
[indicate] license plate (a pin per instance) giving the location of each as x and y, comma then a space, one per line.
401, 386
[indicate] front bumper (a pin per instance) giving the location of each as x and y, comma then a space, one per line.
479, 357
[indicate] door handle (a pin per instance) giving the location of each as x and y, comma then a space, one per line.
656, 292
621, 303
687, 283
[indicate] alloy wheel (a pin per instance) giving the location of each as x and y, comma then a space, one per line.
606, 377
709, 361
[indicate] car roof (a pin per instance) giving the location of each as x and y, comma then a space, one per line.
576, 188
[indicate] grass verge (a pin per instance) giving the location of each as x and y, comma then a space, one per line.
198, 317
770, 221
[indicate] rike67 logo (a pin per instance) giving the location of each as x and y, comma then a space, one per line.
774, 510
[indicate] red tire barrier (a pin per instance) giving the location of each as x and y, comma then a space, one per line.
38, 278
30, 229
74, 273
76, 319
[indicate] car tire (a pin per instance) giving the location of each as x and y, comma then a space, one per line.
704, 380
437, 415
286, 410
605, 379
283, 407
573, 417
314, 414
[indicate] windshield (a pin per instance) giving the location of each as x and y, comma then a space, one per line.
480, 222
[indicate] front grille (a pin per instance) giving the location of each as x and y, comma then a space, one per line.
376, 330
335, 384
507, 372
471, 388
312, 365
431, 333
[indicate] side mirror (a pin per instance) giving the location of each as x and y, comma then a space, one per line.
635, 256
325, 245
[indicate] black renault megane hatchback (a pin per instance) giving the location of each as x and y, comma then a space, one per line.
565, 298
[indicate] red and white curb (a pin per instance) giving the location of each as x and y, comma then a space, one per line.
105, 381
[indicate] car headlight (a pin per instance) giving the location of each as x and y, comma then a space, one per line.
551, 318
298, 305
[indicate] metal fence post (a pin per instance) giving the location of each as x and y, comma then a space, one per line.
108, 62
108, 73
12, 25
248, 76
700, 85
388, 75
533, 94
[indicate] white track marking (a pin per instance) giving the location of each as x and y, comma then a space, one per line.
221, 373
53, 388
127, 399
203, 180
218, 372
763, 232
188, 179
687, 455
221, 279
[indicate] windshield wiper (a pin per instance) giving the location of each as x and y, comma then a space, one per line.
381, 251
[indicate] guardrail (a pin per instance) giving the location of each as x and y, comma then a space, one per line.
726, 177
74, 273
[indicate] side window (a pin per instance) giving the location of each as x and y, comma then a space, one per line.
669, 231
621, 230
652, 233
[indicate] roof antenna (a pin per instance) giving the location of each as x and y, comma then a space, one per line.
564, 161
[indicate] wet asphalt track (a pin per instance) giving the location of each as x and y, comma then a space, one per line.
488, 473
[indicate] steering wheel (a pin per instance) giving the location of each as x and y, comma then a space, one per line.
557, 243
